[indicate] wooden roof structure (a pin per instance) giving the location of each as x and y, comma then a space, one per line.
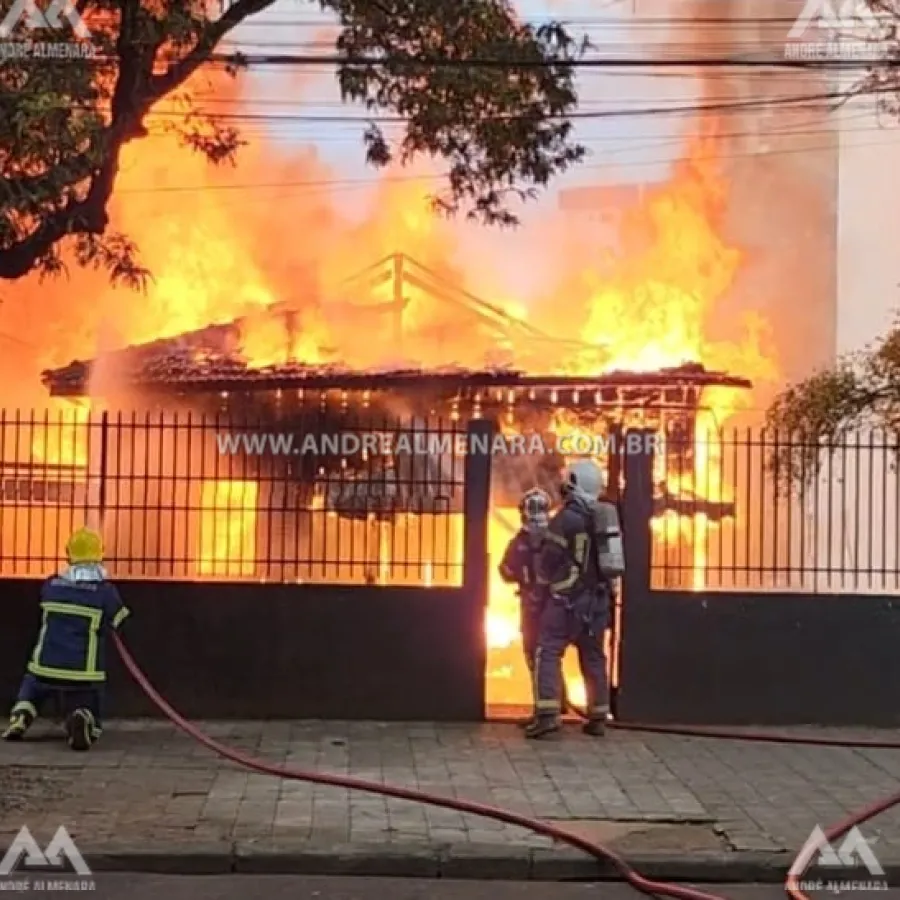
209, 359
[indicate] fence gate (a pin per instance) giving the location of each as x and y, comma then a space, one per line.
616, 480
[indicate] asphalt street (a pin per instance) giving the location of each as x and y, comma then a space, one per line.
300, 887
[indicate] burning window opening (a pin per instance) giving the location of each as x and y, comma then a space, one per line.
40, 503
34, 491
228, 526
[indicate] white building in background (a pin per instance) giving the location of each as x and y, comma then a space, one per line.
868, 224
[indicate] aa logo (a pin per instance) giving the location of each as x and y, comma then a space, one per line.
50, 18
838, 19
24, 853
854, 852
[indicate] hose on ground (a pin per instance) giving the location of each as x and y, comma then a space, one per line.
598, 851
764, 737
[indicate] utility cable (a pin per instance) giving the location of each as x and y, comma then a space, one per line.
699, 109
436, 178
299, 60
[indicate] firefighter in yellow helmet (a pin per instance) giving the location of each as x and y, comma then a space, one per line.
79, 606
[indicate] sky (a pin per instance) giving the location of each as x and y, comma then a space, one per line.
622, 150
636, 149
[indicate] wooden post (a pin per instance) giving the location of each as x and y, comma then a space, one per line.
399, 302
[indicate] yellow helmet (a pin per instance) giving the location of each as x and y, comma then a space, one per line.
85, 546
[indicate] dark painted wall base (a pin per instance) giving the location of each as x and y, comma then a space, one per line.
236, 651
761, 659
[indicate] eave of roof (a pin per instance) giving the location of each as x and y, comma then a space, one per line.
209, 376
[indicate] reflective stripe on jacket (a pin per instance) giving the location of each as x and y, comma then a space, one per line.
75, 620
567, 563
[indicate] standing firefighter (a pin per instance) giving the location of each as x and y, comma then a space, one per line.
581, 557
518, 567
79, 607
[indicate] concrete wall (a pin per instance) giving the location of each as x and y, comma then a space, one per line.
760, 659
747, 657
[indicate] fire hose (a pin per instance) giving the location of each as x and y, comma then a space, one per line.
597, 851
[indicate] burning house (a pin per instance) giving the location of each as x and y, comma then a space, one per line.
322, 584
210, 480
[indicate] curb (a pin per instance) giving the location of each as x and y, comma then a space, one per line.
488, 862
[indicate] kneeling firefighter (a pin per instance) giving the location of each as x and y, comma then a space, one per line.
518, 567
578, 562
79, 606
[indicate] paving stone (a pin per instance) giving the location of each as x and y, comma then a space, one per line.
143, 780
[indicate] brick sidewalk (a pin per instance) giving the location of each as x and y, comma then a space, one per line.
147, 792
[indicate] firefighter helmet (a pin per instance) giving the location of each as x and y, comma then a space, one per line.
585, 478
535, 509
85, 546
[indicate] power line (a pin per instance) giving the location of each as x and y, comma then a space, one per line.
663, 59
838, 129
798, 100
338, 185
202, 100
695, 62
613, 21
819, 101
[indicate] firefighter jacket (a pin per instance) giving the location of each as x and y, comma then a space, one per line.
78, 608
567, 563
518, 566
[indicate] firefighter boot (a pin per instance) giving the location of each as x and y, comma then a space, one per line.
595, 727
23, 714
542, 727
80, 730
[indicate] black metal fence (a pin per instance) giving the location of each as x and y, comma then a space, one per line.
205, 497
751, 510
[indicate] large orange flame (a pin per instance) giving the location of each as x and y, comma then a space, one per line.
218, 251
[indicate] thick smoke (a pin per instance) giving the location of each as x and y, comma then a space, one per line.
288, 223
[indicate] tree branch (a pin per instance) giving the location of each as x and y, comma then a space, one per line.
26, 187
505, 135
130, 103
178, 73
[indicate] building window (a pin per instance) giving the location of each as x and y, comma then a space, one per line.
40, 492
228, 528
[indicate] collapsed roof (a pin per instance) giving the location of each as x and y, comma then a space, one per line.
209, 359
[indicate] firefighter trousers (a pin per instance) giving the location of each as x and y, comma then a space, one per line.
34, 693
530, 627
561, 628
